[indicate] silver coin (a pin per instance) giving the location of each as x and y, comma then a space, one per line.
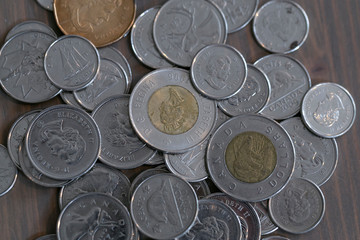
252, 97
328, 110
215, 220
189, 165
250, 223
218, 71
221, 118
111, 80
120, 146
17, 134
157, 159
299, 207
289, 81
69, 98
281, 26
201, 188
316, 157
101, 179
250, 157
22, 72
30, 26
63, 142
142, 40
48, 237
93, 216
267, 226
237, 13
33, 174
71, 62
182, 28
164, 206
168, 113
8, 171
275, 237
47, 4
116, 56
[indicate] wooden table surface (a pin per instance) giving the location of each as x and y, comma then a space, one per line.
331, 54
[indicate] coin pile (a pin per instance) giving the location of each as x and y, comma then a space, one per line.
217, 119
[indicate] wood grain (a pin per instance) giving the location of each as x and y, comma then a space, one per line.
331, 54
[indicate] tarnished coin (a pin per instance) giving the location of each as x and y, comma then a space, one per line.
48, 5
69, 98
250, 223
250, 157
93, 216
48, 237
32, 25
100, 178
168, 113
157, 159
17, 134
8, 171
120, 146
281, 26
328, 110
164, 206
289, 81
201, 188
182, 28
22, 71
267, 226
299, 207
63, 142
252, 97
102, 22
142, 40
71, 62
111, 80
215, 220
218, 71
316, 157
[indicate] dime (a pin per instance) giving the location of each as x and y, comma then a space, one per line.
17, 134
267, 226
69, 98
250, 157
299, 207
71, 62
22, 71
157, 159
63, 142
215, 220
252, 97
168, 113
8, 171
101, 179
218, 71
328, 110
164, 206
27, 26
120, 146
182, 28
102, 22
142, 40
48, 5
289, 81
48, 237
201, 188
111, 80
281, 26
92, 216
250, 223
237, 13
316, 157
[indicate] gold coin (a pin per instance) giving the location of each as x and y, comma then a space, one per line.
250, 157
101, 21
173, 110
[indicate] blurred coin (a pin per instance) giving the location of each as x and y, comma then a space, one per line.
142, 40
31, 25
47, 4
22, 71
182, 28
157, 159
48, 237
275, 237
8, 171
252, 97
328, 110
289, 81
281, 26
316, 157
168, 113
69, 98
71, 62
102, 22
267, 226
299, 207
201, 188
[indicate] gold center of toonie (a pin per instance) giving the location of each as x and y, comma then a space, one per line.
173, 109
250, 157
